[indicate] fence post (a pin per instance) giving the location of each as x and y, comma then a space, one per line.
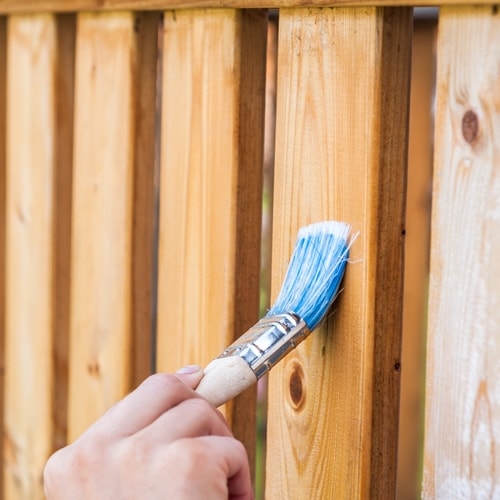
211, 189
343, 76
462, 443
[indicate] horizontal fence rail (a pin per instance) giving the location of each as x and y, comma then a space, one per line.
36, 6
132, 142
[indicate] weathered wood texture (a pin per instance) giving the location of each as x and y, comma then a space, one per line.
417, 226
462, 442
211, 189
107, 142
343, 78
31, 159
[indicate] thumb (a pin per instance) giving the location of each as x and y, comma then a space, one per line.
190, 375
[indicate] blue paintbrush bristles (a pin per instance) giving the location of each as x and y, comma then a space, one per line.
315, 272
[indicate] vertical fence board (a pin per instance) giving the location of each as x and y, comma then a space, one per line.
101, 367
462, 443
340, 153
31, 86
211, 184
418, 215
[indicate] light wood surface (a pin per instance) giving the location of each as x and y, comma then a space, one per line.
211, 188
225, 378
100, 323
31, 90
340, 153
462, 442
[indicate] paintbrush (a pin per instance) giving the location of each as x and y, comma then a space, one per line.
310, 286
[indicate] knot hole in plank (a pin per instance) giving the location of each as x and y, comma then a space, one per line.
297, 386
470, 126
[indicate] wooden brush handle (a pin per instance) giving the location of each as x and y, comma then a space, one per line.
224, 379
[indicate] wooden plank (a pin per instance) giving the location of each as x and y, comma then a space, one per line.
418, 215
106, 142
343, 79
462, 442
3, 104
211, 188
26, 6
31, 90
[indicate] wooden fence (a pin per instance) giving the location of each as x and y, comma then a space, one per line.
131, 147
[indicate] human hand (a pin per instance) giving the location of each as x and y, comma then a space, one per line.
161, 441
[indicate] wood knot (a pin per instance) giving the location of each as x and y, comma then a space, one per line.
297, 386
470, 126
93, 369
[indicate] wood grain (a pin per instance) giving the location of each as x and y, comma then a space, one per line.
462, 442
106, 142
342, 91
211, 189
31, 157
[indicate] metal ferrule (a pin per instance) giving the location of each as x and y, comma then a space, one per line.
268, 341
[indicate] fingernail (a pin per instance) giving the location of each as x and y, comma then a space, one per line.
186, 370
